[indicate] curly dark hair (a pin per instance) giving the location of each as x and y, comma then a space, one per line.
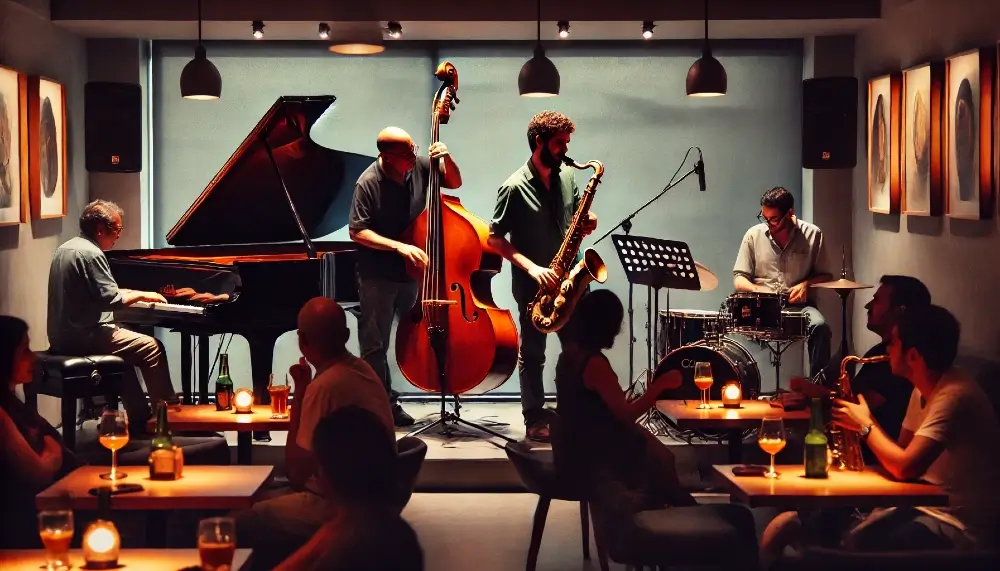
98, 213
546, 124
778, 197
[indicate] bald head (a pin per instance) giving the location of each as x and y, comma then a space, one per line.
393, 139
322, 327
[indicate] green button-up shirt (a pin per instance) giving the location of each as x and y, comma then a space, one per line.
535, 218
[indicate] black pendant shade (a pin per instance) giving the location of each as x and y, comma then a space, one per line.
200, 78
539, 76
707, 77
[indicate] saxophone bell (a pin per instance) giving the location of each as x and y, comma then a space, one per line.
845, 445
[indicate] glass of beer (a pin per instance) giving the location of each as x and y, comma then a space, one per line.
216, 543
56, 530
703, 380
771, 439
113, 434
279, 398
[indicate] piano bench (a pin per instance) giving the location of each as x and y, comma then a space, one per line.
70, 379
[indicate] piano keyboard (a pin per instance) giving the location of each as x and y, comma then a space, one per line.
174, 308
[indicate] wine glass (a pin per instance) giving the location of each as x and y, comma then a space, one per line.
55, 528
113, 432
703, 380
771, 439
216, 543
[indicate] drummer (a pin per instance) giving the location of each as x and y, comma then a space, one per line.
785, 255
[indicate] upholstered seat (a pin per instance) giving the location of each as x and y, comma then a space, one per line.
411, 453
695, 535
71, 378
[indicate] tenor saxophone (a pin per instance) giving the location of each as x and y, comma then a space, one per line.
552, 307
845, 445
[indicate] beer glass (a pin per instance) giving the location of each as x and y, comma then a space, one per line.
279, 398
216, 543
56, 530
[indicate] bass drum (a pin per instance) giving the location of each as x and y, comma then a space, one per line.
729, 360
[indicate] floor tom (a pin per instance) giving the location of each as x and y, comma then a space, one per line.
679, 327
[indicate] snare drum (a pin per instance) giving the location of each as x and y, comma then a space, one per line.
794, 324
679, 327
752, 313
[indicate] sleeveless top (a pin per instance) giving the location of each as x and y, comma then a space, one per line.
17, 492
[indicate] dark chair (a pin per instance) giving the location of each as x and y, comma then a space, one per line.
823, 559
411, 451
73, 378
537, 471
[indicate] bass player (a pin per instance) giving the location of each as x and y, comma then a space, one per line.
535, 207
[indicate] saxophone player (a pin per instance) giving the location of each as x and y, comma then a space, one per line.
947, 438
533, 212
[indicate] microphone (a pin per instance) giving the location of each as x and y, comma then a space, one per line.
699, 167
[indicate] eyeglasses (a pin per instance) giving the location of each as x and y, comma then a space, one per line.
412, 152
772, 220
116, 230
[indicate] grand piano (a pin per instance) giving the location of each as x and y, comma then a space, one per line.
245, 256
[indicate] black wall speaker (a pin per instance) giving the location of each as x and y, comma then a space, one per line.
830, 123
113, 120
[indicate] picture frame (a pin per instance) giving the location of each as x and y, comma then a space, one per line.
13, 147
883, 125
47, 187
922, 127
969, 150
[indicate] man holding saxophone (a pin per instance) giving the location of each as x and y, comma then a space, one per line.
535, 207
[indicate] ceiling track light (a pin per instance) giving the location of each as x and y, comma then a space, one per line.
324, 31
647, 29
563, 29
258, 29
395, 30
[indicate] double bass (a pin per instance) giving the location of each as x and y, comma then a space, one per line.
455, 340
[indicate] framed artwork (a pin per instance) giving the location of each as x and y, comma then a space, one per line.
46, 148
923, 187
884, 188
13, 147
968, 152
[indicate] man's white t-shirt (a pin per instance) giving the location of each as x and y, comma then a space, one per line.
959, 415
348, 382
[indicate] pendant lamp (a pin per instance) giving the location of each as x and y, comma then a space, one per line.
361, 39
200, 79
707, 76
539, 76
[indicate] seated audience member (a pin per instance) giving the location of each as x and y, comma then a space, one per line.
276, 527
82, 297
358, 474
32, 455
947, 438
602, 441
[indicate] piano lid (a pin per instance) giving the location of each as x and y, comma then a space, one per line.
246, 204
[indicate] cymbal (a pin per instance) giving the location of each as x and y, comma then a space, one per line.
705, 276
841, 284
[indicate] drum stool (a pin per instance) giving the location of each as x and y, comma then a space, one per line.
70, 379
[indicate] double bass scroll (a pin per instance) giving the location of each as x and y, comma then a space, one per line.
455, 340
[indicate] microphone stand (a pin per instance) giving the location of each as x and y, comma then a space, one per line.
626, 225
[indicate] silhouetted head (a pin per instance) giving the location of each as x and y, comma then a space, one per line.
322, 328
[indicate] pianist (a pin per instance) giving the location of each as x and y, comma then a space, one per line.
82, 296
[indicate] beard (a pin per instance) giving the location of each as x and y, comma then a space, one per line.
549, 159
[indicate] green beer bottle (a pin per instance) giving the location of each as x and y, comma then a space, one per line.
162, 458
224, 385
817, 465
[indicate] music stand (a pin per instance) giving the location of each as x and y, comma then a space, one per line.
655, 263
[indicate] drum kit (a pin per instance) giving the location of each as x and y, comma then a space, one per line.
688, 336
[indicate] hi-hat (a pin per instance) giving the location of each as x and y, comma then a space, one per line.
842, 284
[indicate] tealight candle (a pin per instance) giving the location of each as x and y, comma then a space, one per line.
731, 395
101, 544
243, 401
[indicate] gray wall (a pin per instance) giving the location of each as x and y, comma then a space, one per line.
33, 45
628, 103
955, 258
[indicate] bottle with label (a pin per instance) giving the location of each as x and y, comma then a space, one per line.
224, 385
162, 457
817, 461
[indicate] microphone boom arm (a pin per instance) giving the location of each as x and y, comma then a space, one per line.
626, 223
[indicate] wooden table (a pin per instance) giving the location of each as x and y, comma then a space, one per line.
200, 488
792, 490
204, 417
734, 421
144, 559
